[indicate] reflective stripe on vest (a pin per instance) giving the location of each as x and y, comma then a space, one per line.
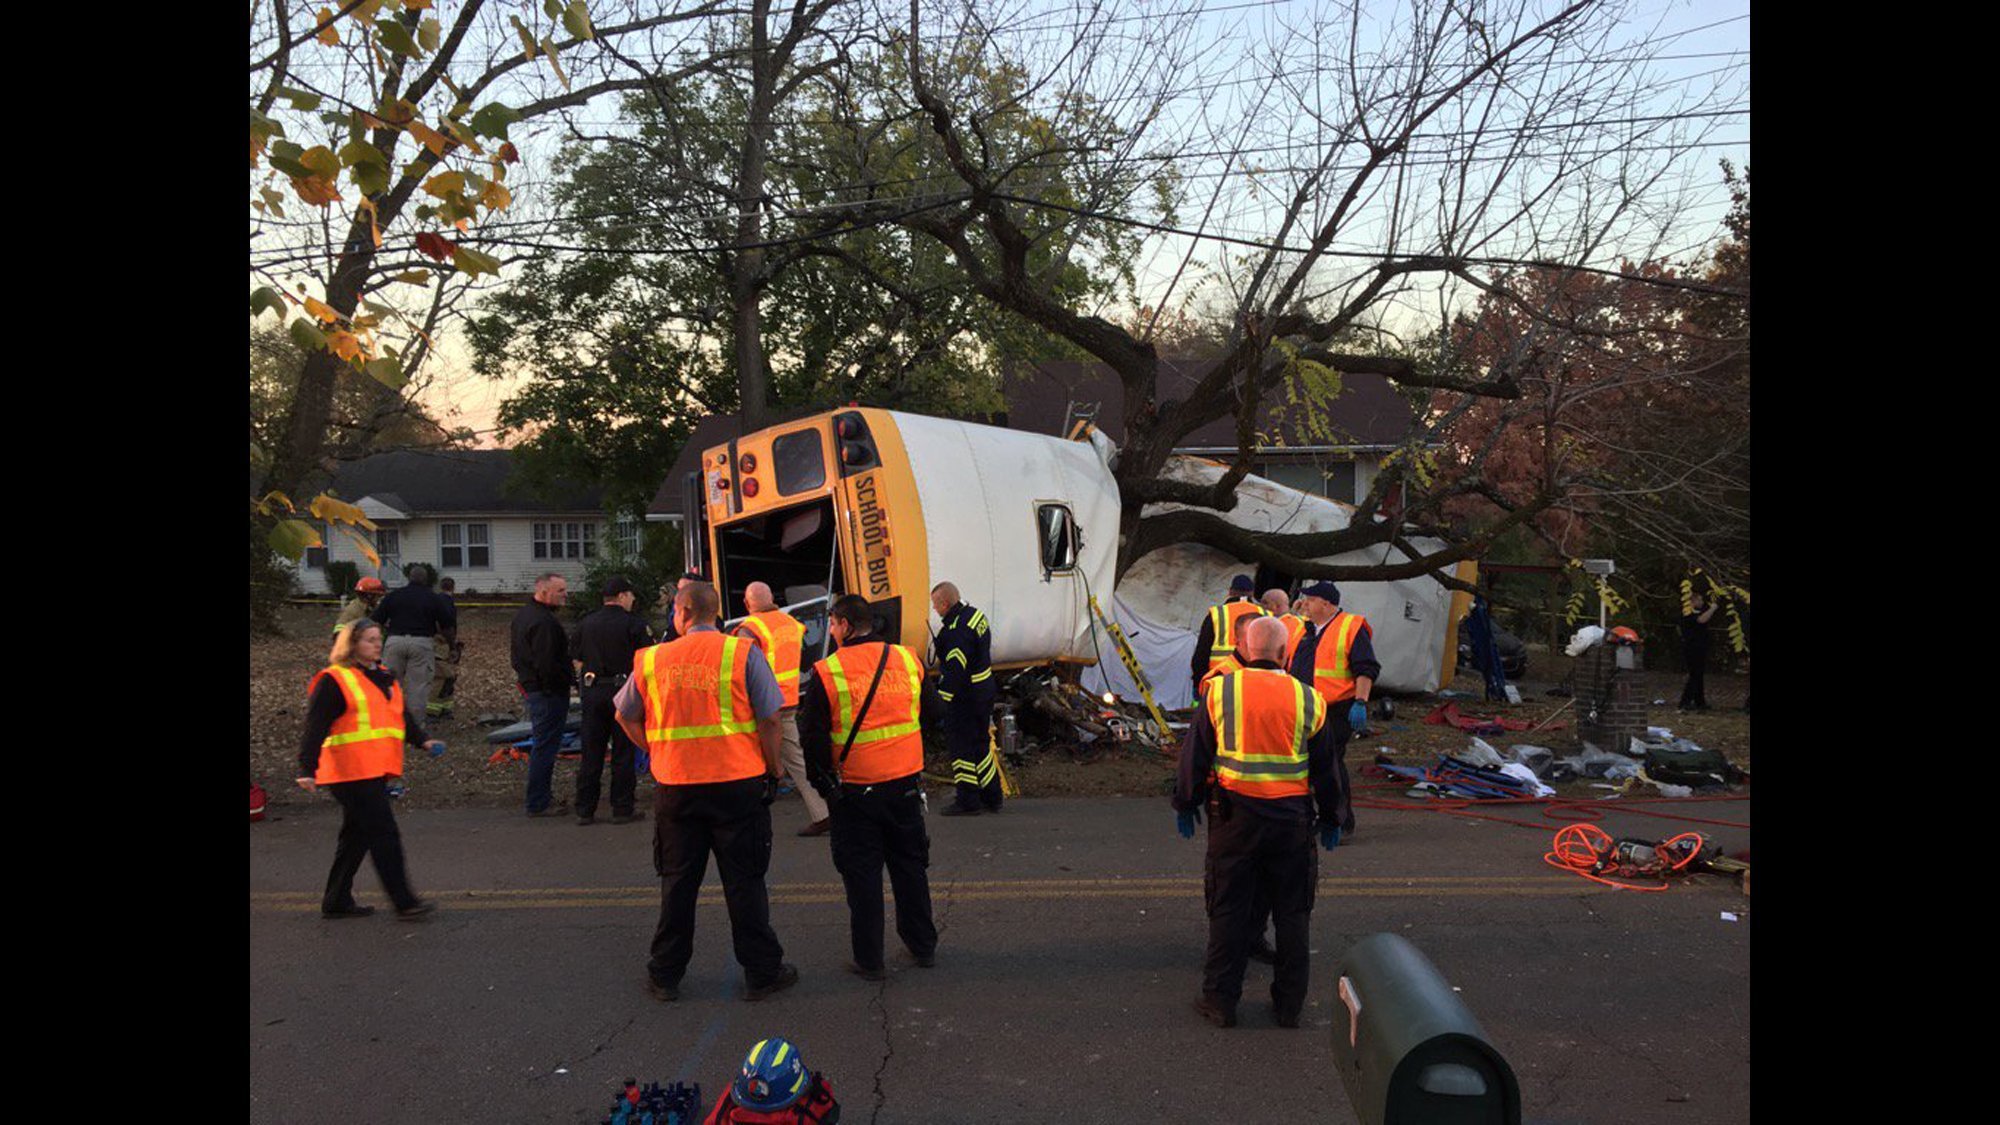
700, 727
1331, 677
1222, 621
890, 743
362, 744
1222, 667
1263, 719
783, 640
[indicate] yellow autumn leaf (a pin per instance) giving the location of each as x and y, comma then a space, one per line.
437, 142
445, 184
256, 148
374, 228
326, 507
316, 190
496, 197
274, 496
321, 310
362, 544
327, 33
415, 5
345, 345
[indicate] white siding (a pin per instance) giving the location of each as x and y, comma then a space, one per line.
514, 565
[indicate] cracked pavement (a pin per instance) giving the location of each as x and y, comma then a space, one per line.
1071, 941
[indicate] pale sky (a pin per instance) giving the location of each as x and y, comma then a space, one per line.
1709, 52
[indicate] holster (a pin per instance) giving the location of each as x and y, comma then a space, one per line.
1220, 807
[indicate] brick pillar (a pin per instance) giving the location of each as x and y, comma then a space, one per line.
1616, 694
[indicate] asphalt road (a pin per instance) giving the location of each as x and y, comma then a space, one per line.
1072, 935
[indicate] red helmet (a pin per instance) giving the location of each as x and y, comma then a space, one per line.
370, 585
1625, 635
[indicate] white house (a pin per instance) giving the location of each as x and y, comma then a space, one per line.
457, 510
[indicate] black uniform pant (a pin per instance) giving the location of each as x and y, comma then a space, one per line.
367, 828
1257, 861
968, 731
1693, 693
601, 731
1336, 717
731, 819
876, 825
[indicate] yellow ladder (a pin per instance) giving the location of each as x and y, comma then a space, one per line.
1131, 665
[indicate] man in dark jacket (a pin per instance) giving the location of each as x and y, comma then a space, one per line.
604, 642
964, 654
410, 617
539, 650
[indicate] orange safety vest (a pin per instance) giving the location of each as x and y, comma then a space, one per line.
890, 743
367, 739
700, 727
783, 640
1221, 667
1222, 621
1331, 675
1295, 627
1263, 719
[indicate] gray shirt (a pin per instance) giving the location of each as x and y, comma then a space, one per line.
765, 698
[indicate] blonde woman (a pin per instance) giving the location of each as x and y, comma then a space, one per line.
356, 726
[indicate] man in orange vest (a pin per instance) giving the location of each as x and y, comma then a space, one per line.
1336, 655
706, 708
860, 720
782, 639
1215, 639
1260, 749
1278, 604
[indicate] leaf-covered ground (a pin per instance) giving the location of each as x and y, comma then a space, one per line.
281, 666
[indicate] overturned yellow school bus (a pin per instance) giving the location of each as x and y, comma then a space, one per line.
886, 505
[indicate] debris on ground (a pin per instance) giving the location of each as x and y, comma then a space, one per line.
1050, 710
1448, 714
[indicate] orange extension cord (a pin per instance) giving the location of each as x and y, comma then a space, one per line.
1581, 848
1577, 846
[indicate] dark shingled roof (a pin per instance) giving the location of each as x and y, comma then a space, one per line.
1368, 412
422, 482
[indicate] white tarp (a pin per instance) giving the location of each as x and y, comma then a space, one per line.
1161, 601
979, 487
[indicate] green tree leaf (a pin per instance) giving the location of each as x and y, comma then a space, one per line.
576, 20
492, 120
267, 298
306, 336
290, 538
387, 371
473, 262
397, 38
304, 101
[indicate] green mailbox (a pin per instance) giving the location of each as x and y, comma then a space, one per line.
1408, 1049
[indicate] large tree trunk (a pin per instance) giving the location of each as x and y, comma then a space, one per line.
746, 267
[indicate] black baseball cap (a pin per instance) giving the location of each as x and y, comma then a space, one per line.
615, 585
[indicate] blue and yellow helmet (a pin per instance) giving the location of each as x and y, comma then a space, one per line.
773, 1077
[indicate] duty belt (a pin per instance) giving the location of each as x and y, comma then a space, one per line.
590, 678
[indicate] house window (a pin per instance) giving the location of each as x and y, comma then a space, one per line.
1340, 482
1058, 536
625, 535
316, 556
464, 546
389, 545
565, 540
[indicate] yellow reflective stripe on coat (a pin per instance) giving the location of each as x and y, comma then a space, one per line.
725, 699
364, 730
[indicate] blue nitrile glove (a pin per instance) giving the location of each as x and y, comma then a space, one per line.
436, 747
1357, 715
1185, 821
1329, 836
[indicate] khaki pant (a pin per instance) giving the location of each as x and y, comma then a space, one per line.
412, 660
794, 757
